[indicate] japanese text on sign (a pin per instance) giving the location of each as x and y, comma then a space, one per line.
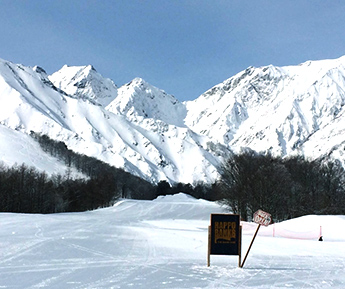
262, 218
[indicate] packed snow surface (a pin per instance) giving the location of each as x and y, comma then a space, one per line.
163, 244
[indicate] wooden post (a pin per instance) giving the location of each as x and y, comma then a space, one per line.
274, 230
320, 236
240, 247
209, 247
256, 232
320, 231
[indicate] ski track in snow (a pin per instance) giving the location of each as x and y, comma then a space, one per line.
156, 244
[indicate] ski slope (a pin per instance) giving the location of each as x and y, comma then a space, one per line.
163, 244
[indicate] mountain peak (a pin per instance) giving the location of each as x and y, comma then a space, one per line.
139, 80
139, 84
70, 73
138, 99
85, 82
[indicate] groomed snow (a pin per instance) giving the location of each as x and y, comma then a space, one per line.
163, 244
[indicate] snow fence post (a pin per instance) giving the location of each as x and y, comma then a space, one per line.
240, 247
320, 236
209, 247
274, 230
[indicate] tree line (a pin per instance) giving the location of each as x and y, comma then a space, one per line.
286, 188
24, 189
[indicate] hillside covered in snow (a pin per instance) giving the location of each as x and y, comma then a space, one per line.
141, 128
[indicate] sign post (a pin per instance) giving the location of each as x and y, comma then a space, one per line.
224, 236
251, 243
261, 218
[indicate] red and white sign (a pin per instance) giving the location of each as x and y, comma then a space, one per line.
262, 218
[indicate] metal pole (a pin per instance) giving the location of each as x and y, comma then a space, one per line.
244, 260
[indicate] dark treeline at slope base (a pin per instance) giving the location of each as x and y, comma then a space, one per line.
286, 188
127, 185
24, 189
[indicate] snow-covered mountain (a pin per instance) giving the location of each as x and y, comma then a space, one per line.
85, 82
283, 110
139, 133
141, 128
140, 101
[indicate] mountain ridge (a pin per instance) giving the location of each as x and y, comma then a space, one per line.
149, 148
300, 99
281, 110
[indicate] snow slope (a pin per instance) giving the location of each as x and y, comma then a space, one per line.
284, 110
152, 149
162, 244
17, 148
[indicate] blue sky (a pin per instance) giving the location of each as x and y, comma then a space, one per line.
182, 47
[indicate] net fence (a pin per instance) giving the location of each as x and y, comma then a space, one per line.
277, 230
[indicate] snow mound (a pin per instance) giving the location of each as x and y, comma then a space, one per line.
180, 197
